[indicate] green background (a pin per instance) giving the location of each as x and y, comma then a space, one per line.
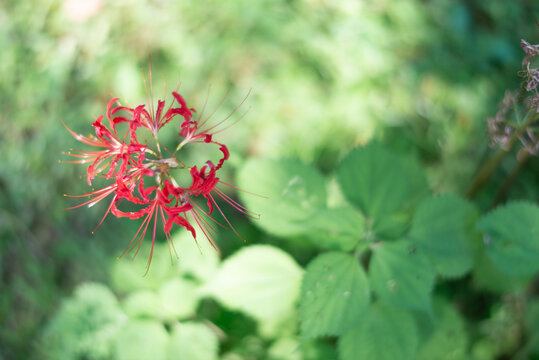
321, 77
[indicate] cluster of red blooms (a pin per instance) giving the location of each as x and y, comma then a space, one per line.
127, 164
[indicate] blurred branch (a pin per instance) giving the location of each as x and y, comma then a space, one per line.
494, 162
508, 182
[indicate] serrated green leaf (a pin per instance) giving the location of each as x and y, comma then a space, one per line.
260, 280
293, 191
336, 228
193, 341
395, 225
382, 334
442, 227
142, 339
335, 294
375, 180
401, 276
449, 339
511, 237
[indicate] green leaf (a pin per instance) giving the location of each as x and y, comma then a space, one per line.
197, 260
142, 339
143, 304
449, 340
128, 274
442, 227
334, 296
401, 276
382, 334
395, 225
487, 276
85, 325
418, 186
179, 298
317, 350
511, 237
375, 181
485, 349
336, 228
279, 327
392, 226
287, 348
260, 280
193, 341
294, 191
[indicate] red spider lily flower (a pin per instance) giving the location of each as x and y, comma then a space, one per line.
128, 165
158, 207
194, 131
205, 184
113, 150
152, 121
122, 188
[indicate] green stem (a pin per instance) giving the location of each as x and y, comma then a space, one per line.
157, 143
149, 151
180, 145
506, 185
494, 162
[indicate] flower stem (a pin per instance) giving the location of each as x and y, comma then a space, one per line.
494, 162
157, 143
510, 179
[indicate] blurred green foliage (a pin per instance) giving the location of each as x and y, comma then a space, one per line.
324, 77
